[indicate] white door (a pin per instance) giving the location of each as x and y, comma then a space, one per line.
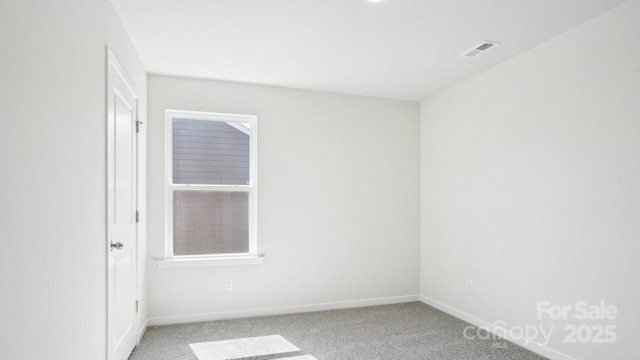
121, 210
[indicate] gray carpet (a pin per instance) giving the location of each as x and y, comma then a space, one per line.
411, 331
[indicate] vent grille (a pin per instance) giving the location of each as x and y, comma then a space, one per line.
479, 49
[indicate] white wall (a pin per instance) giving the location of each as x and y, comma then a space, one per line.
531, 184
338, 208
53, 161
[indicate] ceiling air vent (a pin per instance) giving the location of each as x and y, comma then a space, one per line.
479, 49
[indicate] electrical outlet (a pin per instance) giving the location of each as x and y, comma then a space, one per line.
469, 288
228, 285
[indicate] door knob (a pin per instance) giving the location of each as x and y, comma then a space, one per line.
117, 246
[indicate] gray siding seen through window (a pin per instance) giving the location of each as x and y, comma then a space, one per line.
210, 152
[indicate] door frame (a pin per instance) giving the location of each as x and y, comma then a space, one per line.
112, 64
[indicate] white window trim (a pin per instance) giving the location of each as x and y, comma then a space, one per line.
252, 256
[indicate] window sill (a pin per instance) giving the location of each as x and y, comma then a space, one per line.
206, 262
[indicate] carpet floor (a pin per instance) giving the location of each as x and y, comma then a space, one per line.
410, 331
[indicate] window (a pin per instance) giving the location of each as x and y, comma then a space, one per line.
211, 185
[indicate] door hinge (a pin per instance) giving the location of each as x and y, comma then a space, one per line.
138, 123
137, 216
137, 306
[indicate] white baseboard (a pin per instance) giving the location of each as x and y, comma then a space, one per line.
181, 319
142, 330
535, 347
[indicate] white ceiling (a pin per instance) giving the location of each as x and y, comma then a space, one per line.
399, 49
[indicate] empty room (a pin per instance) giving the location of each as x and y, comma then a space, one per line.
320, 179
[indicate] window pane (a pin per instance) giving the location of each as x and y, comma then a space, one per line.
210, 152
207, 222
